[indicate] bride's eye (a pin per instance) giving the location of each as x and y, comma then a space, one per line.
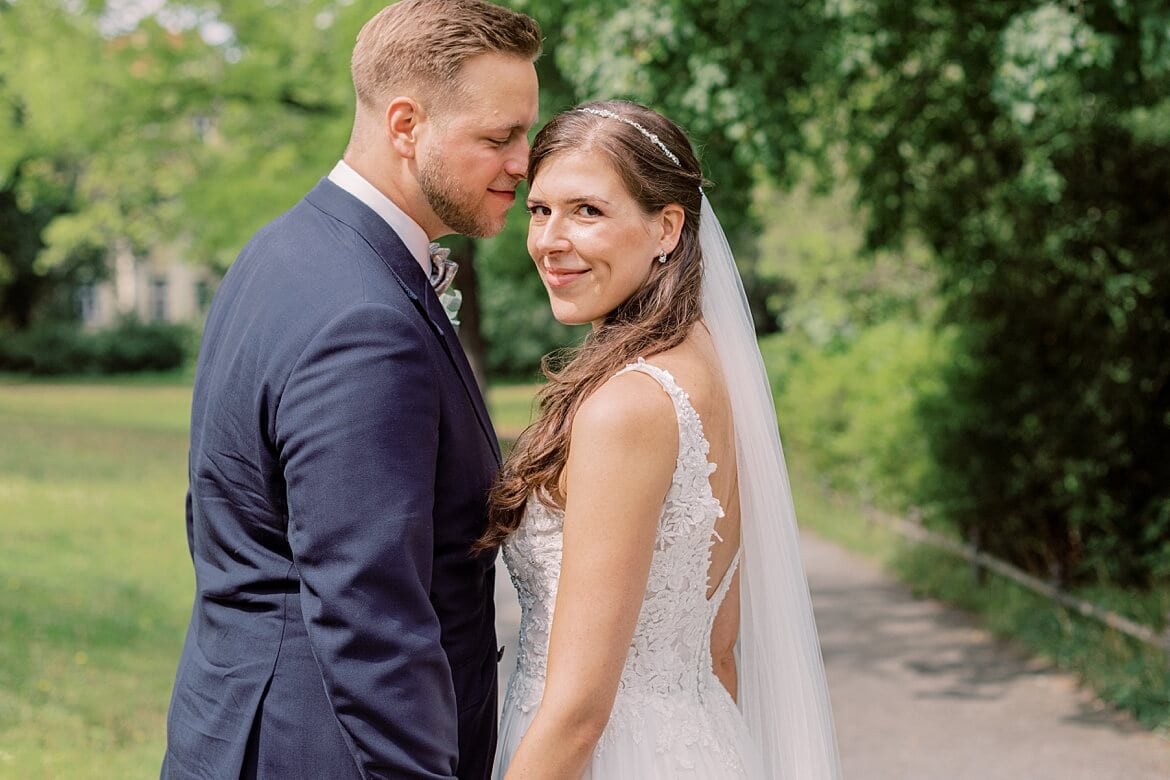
538, 209
590, 211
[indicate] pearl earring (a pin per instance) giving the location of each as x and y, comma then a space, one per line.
662, 256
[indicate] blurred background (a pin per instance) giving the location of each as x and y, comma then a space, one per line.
952, 219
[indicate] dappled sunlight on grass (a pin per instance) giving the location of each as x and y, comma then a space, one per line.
512, 407
97, 582
161, 408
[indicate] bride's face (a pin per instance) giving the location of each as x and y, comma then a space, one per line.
590, 240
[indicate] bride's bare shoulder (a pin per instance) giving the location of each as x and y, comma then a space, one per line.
629, 407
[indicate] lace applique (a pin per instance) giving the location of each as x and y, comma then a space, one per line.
668, 669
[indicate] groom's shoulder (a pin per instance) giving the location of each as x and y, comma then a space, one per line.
305, 232
301, 221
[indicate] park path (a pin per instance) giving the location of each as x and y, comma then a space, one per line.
921, 693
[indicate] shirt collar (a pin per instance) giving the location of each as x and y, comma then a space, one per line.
413, 236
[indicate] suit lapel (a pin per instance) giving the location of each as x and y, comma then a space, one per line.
335, 201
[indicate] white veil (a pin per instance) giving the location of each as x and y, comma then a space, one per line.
782, 688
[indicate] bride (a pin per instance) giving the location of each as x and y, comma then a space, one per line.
645, 516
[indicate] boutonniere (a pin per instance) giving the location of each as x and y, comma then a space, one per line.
452, 299
442, 273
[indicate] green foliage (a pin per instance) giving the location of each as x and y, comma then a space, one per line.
713, 68
138, 346
858, 348
126, 127
278, 104
53, 348
812, 239
1026, 143
850, 408
62, 348
46, 134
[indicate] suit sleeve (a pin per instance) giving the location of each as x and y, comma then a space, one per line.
357, 428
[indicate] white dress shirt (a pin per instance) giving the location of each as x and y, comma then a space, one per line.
407, 229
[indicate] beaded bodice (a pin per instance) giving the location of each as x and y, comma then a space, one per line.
669, 660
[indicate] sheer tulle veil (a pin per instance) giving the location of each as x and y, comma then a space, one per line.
782, 689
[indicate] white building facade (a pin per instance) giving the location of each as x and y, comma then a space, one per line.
160, 287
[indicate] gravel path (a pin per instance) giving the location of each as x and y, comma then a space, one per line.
921, 693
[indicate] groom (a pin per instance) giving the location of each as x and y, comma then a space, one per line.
340, 450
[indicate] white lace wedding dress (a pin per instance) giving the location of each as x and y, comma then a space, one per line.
672, 718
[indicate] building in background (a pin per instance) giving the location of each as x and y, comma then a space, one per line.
159, 287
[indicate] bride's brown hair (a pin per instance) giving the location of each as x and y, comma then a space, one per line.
655, 318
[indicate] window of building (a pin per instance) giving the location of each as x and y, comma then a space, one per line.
203, 294
87, 303
158, 299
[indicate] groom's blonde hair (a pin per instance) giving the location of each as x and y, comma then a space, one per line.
417, 48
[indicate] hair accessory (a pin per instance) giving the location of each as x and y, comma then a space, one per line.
662, 256
654, 139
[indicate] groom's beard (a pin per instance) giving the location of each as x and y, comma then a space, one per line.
453, 205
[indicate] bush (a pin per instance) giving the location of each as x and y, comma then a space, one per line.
1051, 437
137, 346
55, 348
851, 407
49, 348
1031, 152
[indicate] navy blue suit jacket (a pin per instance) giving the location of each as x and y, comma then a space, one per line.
340, 460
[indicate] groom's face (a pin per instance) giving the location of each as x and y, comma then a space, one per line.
476, 149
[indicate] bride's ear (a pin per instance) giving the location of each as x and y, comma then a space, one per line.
672, 218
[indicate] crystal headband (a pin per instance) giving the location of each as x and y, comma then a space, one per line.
654, 139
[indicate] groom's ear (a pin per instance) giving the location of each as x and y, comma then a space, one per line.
403, 116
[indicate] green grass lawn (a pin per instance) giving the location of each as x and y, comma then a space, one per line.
512, 408
95, 584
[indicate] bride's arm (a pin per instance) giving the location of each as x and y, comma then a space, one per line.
621, 460
724, 634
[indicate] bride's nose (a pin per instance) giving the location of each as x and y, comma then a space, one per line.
548, 237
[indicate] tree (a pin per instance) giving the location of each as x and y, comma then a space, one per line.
47, 135
1028, 144
740, 76
270, 96
98, 144
200, 124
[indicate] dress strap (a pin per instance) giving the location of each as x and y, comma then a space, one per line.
691, 435
664, 378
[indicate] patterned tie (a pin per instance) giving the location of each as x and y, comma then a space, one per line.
443, 268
